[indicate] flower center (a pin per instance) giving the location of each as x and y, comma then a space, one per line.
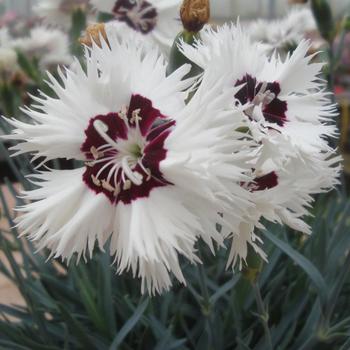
138, 14
265, 95
264, 182
123, 151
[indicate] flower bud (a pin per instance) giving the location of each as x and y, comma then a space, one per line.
177, 58
93, 34
324, 19
195, 14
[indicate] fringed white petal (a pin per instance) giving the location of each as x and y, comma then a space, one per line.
149, 234
57, 125
64, 215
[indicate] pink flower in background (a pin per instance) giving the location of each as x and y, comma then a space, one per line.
8, 18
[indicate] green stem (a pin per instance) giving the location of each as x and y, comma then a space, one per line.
203, 283
206, 305
264, 316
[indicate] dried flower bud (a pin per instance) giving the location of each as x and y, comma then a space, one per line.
93, 34
195, 14
19, 79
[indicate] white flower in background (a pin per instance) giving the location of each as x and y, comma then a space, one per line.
8, 61
288, 113
154, 20
49, 45
8, 56
59, 12
156, 171
285, 33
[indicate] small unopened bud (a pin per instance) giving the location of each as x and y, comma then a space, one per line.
195, 14
323, 15
93, 34
19, 79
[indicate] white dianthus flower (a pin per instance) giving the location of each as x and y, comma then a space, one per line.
156, 171
283, 34
288, 114
8, 59
49, 45
8, 56
153, 20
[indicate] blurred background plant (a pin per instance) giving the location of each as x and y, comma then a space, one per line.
299, 300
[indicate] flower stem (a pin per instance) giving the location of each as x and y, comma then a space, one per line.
206, 305
264, 316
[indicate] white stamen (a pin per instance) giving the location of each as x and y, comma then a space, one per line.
96, 181
263, 97
135, 116
121, 163
123, 114
116, 190
95, 153
146, 170
113, 170
127, 185
106, 147
102, 130
134, 176
104, 167
107, 186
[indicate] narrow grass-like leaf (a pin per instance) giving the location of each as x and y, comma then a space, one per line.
76, 328
303, 262
224, 289
129, 325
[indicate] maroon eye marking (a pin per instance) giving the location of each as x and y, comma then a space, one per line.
123, 151
138, 14
273, 109
261, 183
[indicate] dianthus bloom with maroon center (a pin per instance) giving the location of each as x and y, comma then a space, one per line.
155, 171
123, 151
156, 21
290, 116
139, 15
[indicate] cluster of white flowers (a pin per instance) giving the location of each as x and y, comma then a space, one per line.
50, 46
283, 34
160, 170
156, 21
58, 13
289, 115
8, 56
